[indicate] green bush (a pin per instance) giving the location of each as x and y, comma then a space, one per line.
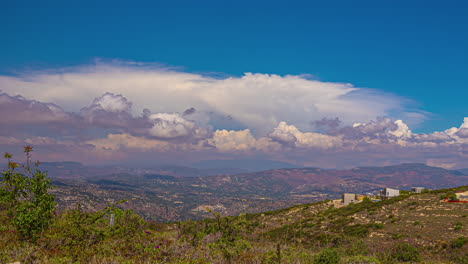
26, 196
81, 233
379, 226
453, 197
459, 242
230, 248
405, 253
356, 248
357, 230
327, 256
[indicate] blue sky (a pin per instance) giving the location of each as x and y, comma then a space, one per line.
101, 63
415, 49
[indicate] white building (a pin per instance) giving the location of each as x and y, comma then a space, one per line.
389, 192
417, 189
347, 198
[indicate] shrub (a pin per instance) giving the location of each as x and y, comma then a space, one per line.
26, 195
337, 240
453, 197
360, 260
271, 257
379, 226
406, 252
459, 242
327, 256
357, 230
459, 259
458, 226
357, 248
82, 232
323, 238
230, 248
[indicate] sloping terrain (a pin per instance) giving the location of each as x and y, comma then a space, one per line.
410, 228
368, 232
161, 196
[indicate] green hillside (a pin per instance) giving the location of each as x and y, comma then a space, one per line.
413, 228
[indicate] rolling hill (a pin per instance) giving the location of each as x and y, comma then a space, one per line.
410, 228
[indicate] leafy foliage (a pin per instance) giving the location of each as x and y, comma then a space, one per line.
327, 256
405, 252
81, 231
459, 242
26, 194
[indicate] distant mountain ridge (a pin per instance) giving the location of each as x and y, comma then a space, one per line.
302, 180
71, 169
402, 174
253, 165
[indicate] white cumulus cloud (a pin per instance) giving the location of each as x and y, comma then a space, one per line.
173, 125
255, 101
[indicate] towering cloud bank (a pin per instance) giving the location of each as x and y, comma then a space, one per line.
116, 111
255, 101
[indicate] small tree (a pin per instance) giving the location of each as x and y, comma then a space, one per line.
25, 195
405, 252
453, 197
327, 256
11, 185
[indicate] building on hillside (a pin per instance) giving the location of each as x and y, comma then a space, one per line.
462, 196
347, 198
389, 192
360, 197
417, 189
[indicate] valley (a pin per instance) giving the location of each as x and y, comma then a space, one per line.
165, 196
